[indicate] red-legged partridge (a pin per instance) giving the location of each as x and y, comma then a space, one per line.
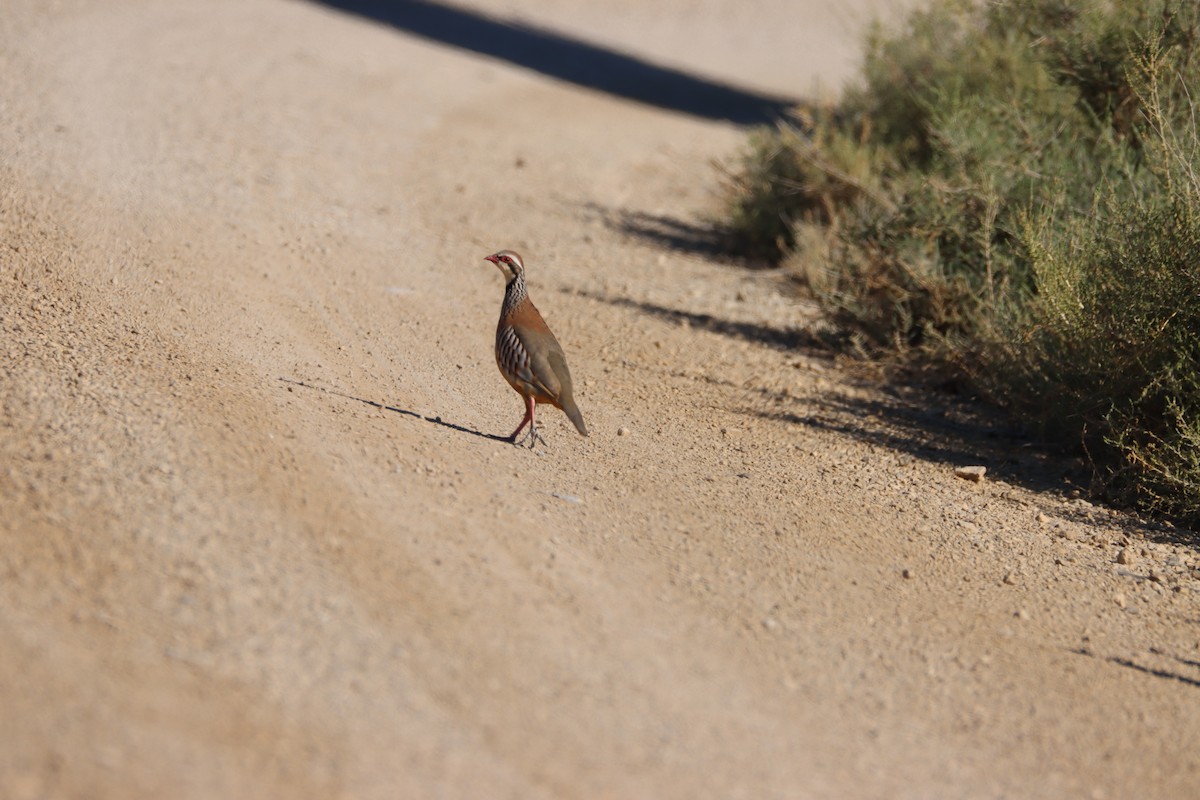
529, 357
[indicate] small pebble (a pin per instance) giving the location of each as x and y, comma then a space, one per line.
906, 573
1010, 579
973, 474
1125, 556
622, 431
1119, 599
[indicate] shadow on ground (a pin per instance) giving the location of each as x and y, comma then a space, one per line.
671, 233
1157, 672
917, 422
912, 419
573, 60
707, 239
398, 410
783, 338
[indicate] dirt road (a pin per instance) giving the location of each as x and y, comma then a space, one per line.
260, 538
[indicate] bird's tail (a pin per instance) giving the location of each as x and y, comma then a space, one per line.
572, 411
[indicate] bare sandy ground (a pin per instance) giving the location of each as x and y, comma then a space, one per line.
259, 539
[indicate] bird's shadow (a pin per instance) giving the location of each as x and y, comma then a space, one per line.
1156, 672
385, 407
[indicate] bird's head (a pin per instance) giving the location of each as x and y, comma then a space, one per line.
509, 263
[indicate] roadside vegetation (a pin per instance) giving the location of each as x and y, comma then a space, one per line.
1011, 193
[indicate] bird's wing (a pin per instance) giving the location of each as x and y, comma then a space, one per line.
544, 351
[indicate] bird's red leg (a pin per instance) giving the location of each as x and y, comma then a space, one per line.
526, 420
535, 436
531, 415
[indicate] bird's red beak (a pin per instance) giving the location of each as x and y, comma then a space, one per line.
492, 259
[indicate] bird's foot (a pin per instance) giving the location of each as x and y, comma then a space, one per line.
532, 436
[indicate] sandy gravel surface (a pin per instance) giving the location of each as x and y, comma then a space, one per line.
260, 539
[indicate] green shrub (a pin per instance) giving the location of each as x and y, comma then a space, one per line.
1108, 349
1011, 193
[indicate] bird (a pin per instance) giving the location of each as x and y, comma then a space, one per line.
529, 357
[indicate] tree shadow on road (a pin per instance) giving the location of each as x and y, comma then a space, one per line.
761, 333
569, 59
924, 424
398, 410
671, 233
702, 238
906, 417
